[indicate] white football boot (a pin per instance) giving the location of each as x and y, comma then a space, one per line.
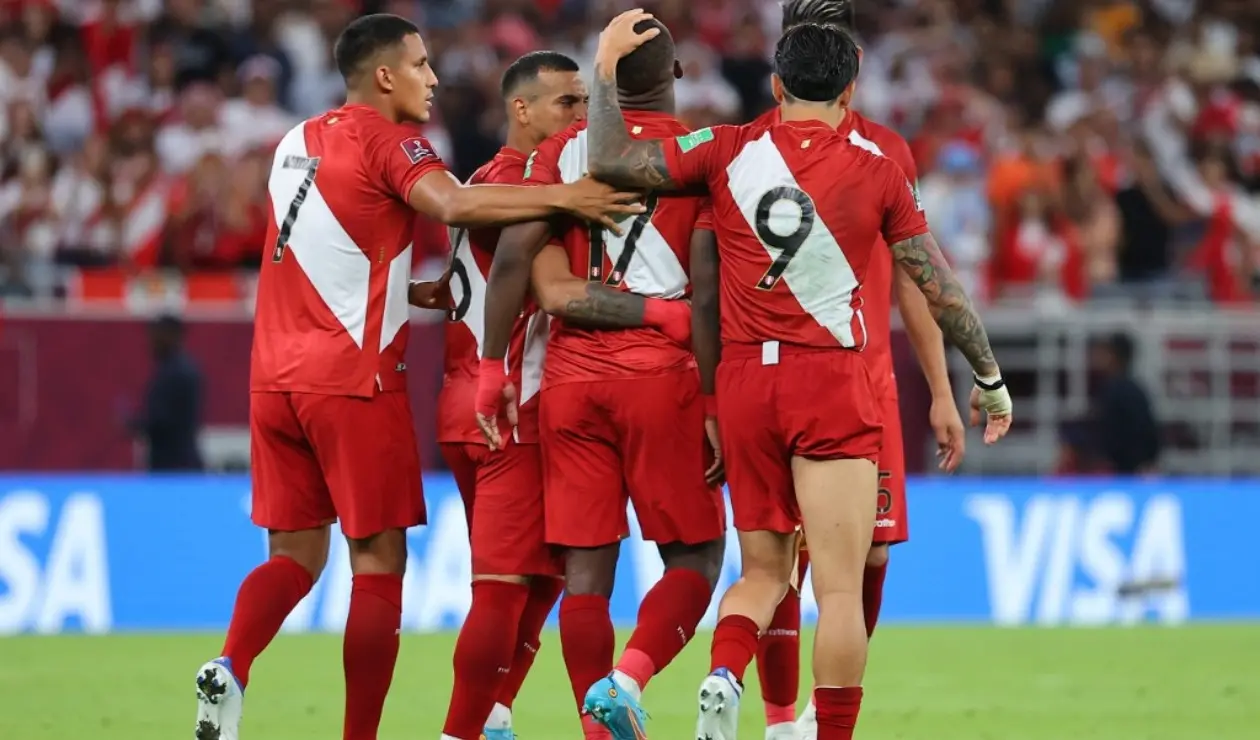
782, 731
719, 707
219, 700
807, 723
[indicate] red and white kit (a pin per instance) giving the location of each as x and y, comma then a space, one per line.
798, 209
891, 524
622, 413
502, 490
331, 432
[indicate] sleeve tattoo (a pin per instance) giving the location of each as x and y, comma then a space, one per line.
604, 308
922, 260
613, 156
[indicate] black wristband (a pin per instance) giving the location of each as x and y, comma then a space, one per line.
1001, 382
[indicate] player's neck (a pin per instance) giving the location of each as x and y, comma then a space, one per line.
520, 139
832, 115
375, 102
656, 101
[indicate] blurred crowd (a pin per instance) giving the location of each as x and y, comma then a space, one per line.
1067, 149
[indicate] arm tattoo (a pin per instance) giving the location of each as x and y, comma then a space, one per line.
613, 156
605, 308
922, 260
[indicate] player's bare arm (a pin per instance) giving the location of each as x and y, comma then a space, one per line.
706, 338
921, 258
582, 302
613, 156
439, 195
929, 348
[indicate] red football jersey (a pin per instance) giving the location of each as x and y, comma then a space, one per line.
797, 209
652, 258
876, 298
474, 253
331, 314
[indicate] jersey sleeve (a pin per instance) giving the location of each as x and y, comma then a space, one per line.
704, 219
402, 156
695, 158
899, 151
903, 213
543, 165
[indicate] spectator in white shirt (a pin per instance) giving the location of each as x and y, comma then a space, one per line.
183, 143
256, 118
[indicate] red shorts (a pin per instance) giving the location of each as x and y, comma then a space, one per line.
636, 438
891, 524
815, 404
317, 458
503, 500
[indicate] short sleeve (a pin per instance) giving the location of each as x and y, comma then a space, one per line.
704, 219
543, 165
903, 211
402, 157
693, 159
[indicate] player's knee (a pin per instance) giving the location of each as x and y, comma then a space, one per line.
877, 556
521, 580
385, 552
590, 571
307, 548
704, 558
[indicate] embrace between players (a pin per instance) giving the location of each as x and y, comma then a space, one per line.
776, 376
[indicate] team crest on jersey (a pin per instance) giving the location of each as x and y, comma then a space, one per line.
416, 150
914, 193
690, 141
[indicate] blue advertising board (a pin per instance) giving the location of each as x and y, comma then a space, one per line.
134, 553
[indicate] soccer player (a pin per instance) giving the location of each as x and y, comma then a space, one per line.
621, 415
778, 654
797, 209
516, 577
330, 423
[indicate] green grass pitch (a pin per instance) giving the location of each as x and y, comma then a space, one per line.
946, 683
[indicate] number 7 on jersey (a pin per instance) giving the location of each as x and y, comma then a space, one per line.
291, 162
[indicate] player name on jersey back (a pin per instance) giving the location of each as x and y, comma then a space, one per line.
651, 257
332, 310
473, 254
798, 211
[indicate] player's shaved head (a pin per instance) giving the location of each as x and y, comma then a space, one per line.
824, 12
816, 63
526, 70
649, 67
366, 37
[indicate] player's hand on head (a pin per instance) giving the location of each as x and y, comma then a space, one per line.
716, 474
597, 202
951, 436
996, 405
619, 37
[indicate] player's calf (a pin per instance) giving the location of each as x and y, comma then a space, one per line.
370, 647
838, 501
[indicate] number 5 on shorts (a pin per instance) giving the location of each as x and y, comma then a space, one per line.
790, 243
310, 164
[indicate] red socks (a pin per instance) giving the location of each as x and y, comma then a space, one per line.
263, 602
587, 640
873, 595
543, 594
668, 616
837, 711
370, 650
779, 660
483, 655
734, 645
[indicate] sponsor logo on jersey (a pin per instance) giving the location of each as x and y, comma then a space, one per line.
690, 141
417, 150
